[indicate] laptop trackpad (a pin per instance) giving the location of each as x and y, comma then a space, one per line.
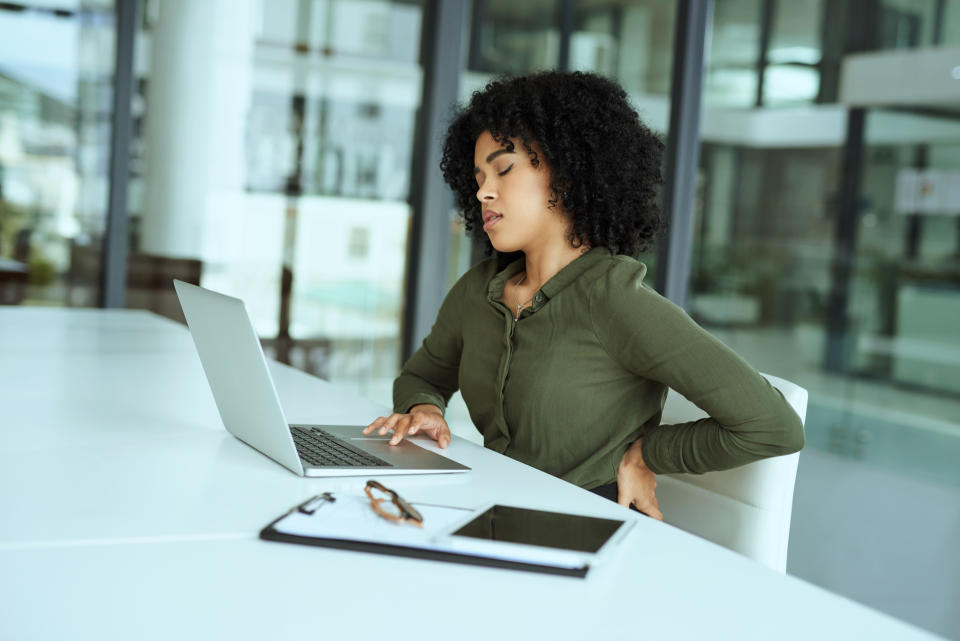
404, 453
405, 450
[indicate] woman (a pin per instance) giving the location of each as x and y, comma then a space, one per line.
562, 353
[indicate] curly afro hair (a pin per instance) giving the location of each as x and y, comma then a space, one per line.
604, 162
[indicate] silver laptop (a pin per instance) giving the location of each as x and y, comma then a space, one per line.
250, 408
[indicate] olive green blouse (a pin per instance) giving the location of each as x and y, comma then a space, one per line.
585, 371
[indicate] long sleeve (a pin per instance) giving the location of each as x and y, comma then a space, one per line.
655, 339
431, 374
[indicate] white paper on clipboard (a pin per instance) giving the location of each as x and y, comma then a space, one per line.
350, 518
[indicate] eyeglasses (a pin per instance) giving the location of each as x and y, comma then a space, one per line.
388, 504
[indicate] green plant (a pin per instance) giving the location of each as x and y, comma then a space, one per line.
42, 271
12, 219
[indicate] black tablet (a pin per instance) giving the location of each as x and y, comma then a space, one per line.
516, 532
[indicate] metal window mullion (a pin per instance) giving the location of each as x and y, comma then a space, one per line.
567, 17
431, 201
939, 9
683, 149
116, 239
860, 35
838, 321
767, 10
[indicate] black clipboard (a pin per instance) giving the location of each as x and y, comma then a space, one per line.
278, 532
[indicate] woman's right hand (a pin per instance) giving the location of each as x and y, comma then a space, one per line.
424, 418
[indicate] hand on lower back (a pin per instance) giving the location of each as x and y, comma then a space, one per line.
636, 483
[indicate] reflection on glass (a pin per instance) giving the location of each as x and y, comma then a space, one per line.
767, 248
832, 259
630, 41
790, 84
514, 37
947, 31
731, 61
278, 161
795, 34
794, 52
906, 25
909, 241
55, 100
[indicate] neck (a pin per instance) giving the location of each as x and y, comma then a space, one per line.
543, 264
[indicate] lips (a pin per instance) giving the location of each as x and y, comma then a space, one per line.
490, 218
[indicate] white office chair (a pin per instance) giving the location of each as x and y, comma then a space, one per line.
746, 509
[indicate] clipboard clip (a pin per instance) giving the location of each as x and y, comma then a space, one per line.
314, 503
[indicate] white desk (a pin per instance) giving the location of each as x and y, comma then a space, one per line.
128, 512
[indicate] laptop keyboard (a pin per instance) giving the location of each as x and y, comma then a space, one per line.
319, 449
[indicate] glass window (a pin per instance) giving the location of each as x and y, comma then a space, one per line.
832, 259
791, 73
56, 75
907, 24
730, 77
514, 37
905, 333
275, 144
949, 26
795, 33
629, 41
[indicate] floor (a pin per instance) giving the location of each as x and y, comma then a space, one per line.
881, 538
876, 513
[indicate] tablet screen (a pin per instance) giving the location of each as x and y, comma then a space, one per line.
535, 527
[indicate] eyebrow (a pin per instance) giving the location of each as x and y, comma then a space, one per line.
497, 153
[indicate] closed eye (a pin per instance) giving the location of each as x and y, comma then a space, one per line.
505, 171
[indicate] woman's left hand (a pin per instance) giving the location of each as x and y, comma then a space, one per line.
636, 483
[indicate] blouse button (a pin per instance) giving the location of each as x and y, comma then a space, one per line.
538, 298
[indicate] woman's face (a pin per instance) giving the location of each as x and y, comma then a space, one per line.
515, 197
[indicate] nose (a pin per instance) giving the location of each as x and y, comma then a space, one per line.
486, 191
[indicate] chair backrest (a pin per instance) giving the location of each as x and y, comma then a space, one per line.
149, 279
746, 509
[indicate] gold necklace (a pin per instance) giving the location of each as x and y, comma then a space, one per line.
516, 297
